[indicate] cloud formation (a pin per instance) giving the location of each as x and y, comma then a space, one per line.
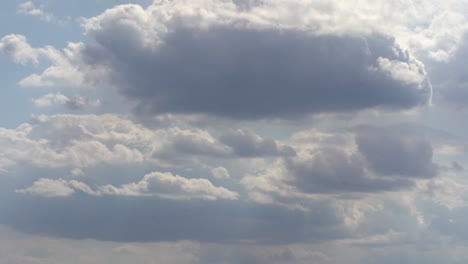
77, 102
238, 65
162, 185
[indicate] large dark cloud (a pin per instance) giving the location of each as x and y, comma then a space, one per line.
148, 219
332, 170
391, 152
386, 158
246, 72
252, 74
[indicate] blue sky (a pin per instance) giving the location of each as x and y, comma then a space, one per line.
233, 131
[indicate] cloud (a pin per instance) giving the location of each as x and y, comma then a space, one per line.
334, 170
360, 162
162, 185
168, 186
220, 173
245, 143
391, 153
29, 8
18, 49
54, 188
77, 102
239, 65
450, 78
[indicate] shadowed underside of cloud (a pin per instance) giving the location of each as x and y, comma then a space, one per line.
150, 219
249, 74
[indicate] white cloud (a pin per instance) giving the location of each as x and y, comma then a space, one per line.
50, 188
51, 99
77, 102
169, 186
29, 8
220, 173
18, 49
162, 185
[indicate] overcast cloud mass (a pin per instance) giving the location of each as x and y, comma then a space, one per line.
233, 131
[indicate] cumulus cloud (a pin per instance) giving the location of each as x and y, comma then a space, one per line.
162, 185
363, 161
190, 69
24, 145
18, 49
390, 153
169, 186
334, 170
247, 144
77, 102
236, 63
83, 141
54, 188
220, 173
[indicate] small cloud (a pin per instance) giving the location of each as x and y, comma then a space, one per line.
18, 49
77, 172
77, 102
49, 188
30, 9
220, 173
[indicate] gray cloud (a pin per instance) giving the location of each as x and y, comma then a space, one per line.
150, 219
260, 73
367, 159
450, 77
235, 66
333, 170
391, 152
77, 102
247, 144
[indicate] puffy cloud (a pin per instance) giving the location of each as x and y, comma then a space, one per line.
18, 49
51, 99
247, 144
77, 102
220, 173
228, 62
166, 185
360, 162
53, 188
333, 170
162, 185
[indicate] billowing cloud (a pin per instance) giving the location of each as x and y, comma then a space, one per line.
238, 64
362, 161
163, 185
220, 173
248, 144
55, 188
261, 131
166, 185
18, 49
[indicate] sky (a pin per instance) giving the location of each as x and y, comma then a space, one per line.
233, 132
